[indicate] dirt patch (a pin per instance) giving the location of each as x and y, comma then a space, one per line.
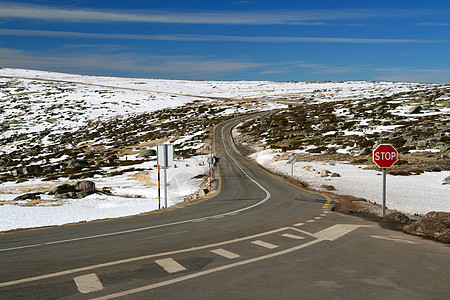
142, 177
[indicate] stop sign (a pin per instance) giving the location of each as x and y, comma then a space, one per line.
385, 155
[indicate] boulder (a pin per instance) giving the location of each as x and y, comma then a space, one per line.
147, 153
415, 110
85, 185
77, 163
446, 180
64, 188
28, 196
32, 170
365, 151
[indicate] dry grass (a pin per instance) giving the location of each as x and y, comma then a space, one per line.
142, 177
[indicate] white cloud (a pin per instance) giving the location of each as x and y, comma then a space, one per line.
429, 75
94, 60
293, 17
206, 37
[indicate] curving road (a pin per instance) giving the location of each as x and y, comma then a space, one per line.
259, 238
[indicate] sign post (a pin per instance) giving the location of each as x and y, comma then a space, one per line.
385, 155
292, 160
211, 163
165, 160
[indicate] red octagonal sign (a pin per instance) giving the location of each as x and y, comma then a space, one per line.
385, 155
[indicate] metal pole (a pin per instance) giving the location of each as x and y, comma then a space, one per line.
384, 192
292, 171
159, 189
165, 187
166, 165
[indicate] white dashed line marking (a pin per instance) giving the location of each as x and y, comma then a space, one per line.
265, 244
170, 265
299, 224
293, 236
225, 253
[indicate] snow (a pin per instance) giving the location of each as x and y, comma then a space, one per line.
100, 206
410, 194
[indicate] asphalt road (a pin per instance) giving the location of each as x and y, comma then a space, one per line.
259, 238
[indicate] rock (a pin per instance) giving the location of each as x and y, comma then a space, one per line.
28, 196
85, 185
365, 151
335, 175
16, 173
64, 188
324, 173
397, 217
434, 225
446, 180
415, 110
32, 170
147, 153
77, 163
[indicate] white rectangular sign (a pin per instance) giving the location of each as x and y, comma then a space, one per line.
165, 155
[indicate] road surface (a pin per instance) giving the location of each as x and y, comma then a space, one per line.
259, 238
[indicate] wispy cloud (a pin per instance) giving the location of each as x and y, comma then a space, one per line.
435, 75
431, 24
292, 17
94, 60
209, 38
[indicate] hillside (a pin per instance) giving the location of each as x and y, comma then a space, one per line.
60, 128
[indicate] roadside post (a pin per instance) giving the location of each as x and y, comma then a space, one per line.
211, 163
165, 160
384, 156
292, 160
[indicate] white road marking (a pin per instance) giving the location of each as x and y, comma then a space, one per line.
310, 221
299, 224
265, 244
394, 239
293, 236
225, 253
317, 218
133, 259
323, 215
88, 283
170, 265
206, 272
336, 231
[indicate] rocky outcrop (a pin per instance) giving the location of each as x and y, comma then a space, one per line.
80, 190
434, 225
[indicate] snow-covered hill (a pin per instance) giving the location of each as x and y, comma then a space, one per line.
51, 120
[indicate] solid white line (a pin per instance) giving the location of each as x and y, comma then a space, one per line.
293, 236
88, 283
264, 244
170, 265
225, 253
206, 272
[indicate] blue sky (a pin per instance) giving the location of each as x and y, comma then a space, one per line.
231, 40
